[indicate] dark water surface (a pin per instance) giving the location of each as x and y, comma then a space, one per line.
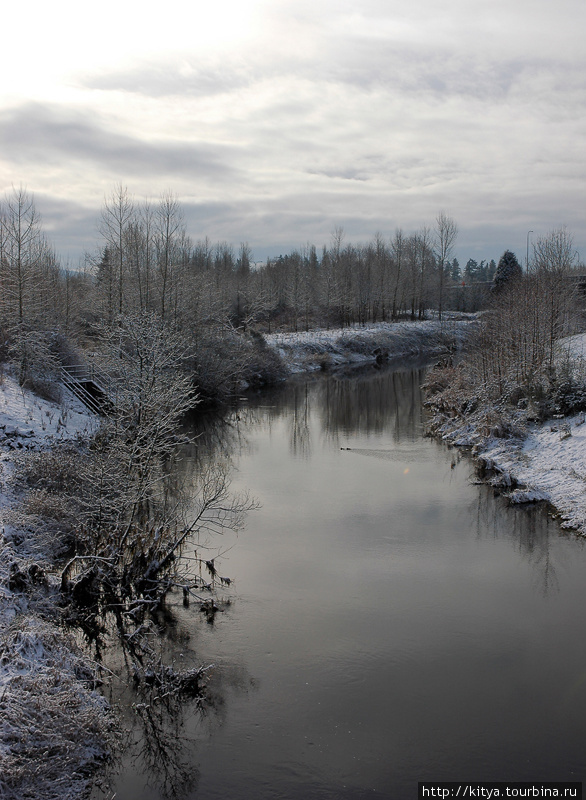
390, 621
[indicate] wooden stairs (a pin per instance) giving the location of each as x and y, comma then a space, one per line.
91, 386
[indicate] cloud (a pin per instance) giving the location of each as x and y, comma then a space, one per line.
53, 135
172, 77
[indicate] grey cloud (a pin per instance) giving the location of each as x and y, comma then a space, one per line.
410, 69
168, 79
344, 173
70, 226
45, 134
431, 71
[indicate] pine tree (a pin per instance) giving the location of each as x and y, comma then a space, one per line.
507, 272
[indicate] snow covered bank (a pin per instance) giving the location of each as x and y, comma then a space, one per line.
318, 349
53, 724
542, 462
549, 464
28, 421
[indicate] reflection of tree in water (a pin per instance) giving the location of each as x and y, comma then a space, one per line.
362, 401
165, 747
162, 748
167, 704
531, 531
387, 401
212, 436
300, 433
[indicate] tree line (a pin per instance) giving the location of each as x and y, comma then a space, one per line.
517, 368
146, 261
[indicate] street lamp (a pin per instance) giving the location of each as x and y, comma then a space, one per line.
527, 256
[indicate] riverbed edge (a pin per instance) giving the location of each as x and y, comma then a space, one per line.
526, 461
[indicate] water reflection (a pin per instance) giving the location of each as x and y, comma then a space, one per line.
370, 401
396, 622
531, 532
380, 402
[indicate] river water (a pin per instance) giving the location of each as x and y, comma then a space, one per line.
390, 621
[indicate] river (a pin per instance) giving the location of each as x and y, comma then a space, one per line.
389, 621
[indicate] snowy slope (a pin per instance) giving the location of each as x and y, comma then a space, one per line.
39, 662
311, 350
29, 422
550, 464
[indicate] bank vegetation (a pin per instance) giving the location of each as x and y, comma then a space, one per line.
516, 369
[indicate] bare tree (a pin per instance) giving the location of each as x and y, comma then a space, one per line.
554, 259
446, 233
117, 213
169, 231
555, 253
398, 252
26, 260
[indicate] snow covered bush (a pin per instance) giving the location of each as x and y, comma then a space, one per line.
54, 726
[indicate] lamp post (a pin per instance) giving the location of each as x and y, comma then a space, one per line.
527, 256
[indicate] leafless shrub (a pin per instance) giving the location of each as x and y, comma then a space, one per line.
40, 503
55, 470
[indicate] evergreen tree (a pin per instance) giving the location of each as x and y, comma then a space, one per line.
470, 270
507, 272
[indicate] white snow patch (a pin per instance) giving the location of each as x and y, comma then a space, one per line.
550, 463
310, 350
27, 420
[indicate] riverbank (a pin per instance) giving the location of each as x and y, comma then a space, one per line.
48, 747
304, 351
529, 461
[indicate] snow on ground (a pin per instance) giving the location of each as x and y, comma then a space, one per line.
311, 350
550, 463
37, 660
29, 422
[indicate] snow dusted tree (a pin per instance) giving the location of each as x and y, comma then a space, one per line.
132, 523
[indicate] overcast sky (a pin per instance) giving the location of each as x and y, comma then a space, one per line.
273, 121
